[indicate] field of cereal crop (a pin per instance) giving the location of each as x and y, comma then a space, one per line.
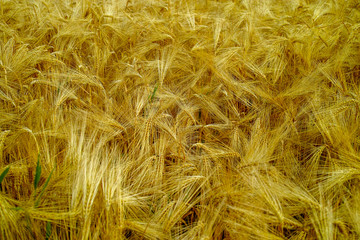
171, 119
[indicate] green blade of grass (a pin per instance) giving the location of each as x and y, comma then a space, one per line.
48, 231
43, 189
154, 92
3, 174
17, 209
29, 224
37, 173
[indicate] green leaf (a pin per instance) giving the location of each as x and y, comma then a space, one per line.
48, 230
3, 174
37, 173
43, 189
29, 224
17, 209
154, 92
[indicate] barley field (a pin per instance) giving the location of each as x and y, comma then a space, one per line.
180, 119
